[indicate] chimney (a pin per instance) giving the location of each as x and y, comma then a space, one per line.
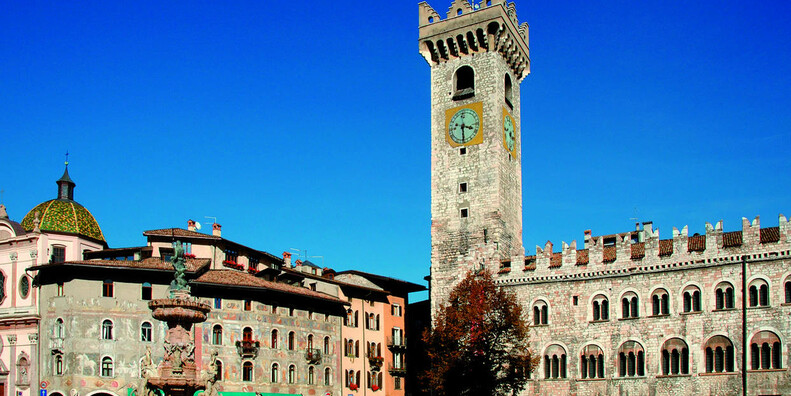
216, 230
191, 225
588, 236
298, 265
287, 259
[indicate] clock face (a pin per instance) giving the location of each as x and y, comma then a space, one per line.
464, 125
509, 133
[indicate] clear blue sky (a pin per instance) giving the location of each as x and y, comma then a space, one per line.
306, 125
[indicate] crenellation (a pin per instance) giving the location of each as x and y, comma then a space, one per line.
459, 8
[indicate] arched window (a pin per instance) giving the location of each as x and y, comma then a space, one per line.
766, 352
555, 362
540, 313
292, 374
58, 369
219, 375
107, 329
759, 293
660, 302
719, 355
107, 366
464, 82
592, 362
291, 343
675, 357
59, 330
326, 345
327, 377
788, 291
145, 291
216, 335
508, 91
146, 333
691, 297
310, 341
723, 295
601, 308
247, 372
631, 360
629, 306
311, 375
247, 334
275, 375
273, 341
371, 322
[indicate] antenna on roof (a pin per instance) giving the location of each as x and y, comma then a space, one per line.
213, 219
197, 226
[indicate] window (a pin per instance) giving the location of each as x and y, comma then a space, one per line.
326, 345
107, 366
24, 286
275, 374
145, 291
58, 254
327, 376
592, 362
765, 351
247, 334
107, 288
464, 82
248, 305
691, 297
60, 289
631, 360
145, 332
311, 375
508, 91
59, 330
601, 308
291, 312
788, 291
759, 293
216, 335
310, 341
724, 296
107, 329
555, 362
58, 369
629, 306
217, 303
396, 309
463, 151
675, 357
462, 187
219, 370
660, 302
719, 355
398, 336
274, 339
291, 343
464, 212
247, 372
231, 255
397, 383
540, 313
292, 374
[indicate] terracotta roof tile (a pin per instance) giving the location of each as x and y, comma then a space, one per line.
732, 239
179, 232
530, 263
238, 278
152, 263
665, 247
582, 257
608, 254
696, 243
769, 235
638, 250
556, 260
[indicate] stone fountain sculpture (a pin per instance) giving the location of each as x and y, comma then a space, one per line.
177, 374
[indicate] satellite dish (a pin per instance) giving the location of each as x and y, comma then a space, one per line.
197, 225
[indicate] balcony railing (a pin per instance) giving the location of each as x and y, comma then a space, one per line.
313, 355
396, 342
248, 348
397, 370
375, 361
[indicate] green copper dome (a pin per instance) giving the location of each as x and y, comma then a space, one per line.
63, 214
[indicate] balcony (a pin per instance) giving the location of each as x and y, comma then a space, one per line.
375, 361
397, 370
396, 343
247, 348
313, 355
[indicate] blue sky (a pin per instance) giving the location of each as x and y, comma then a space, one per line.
307, 125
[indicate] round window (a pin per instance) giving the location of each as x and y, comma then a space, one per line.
24, 287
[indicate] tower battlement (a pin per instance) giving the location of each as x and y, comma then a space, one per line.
644, 250
487, 26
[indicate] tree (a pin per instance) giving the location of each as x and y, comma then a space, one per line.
479, 342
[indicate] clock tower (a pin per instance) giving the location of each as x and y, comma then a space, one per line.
478, 56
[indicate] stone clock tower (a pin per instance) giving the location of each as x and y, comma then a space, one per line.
478, 56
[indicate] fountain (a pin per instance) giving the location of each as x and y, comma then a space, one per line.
177, 374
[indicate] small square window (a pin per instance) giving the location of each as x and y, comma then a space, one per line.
463, 151
465, 213
462, 187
